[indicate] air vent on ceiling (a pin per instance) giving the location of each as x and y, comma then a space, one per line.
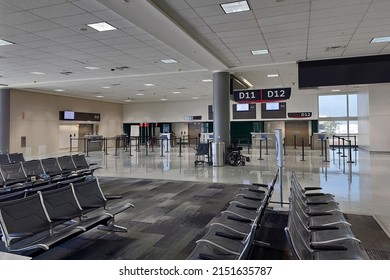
120, 68
3, 85
66, 72
141, 90
334, 48
114, 85
278, 1
182, 88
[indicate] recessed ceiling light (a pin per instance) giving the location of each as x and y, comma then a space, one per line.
335, 90
92, 67
169, 61
140, 94
207, 80
102, 26
176, 92
257, 52
247, 82
195, 97
380, 40
272, 75
5, 43
106, 87
59, 90
149, 85
163, 99
235, 7
37, 73
99, 96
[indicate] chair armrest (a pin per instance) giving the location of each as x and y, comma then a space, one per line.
328, 247
228, 235
20, 235
239, 219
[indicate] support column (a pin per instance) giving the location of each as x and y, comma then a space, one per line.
4, 120
221, 107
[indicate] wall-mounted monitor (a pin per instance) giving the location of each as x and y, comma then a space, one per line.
244, 111
273, 106
68, 115
242, 107
78, 116
273, 110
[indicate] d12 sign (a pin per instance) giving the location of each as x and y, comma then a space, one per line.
300, 115
262, 95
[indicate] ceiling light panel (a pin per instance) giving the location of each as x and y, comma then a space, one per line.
258, 52
5, 43
380, 40
101, 26
235, 7
168, 61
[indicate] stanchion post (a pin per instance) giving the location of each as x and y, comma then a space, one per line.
326, 152
303, 149
180, 155
333, 148
350, 152
167, 150
70, 143
354, 143
261, 142
338, 142
295, 141
147, 148
87, 147
138, 144
343, 148
116, 146
162, 147
130, 155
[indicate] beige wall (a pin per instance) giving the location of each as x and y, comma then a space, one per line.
36, 116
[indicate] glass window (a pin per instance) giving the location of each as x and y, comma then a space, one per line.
333, 127
330, 106
352, 105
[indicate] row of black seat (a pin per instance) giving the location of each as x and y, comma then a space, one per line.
45, 219
11, 158
17, 175
231, 235
317, 229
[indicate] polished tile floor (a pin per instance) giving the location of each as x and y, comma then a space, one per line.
361, 186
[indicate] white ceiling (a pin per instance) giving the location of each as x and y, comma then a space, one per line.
52, 36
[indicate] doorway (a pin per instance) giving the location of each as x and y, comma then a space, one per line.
297, 130
84, 129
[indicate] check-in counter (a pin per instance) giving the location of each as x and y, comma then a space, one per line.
263, 136
317, 138
94, 142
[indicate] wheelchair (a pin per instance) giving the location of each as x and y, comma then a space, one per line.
234, 156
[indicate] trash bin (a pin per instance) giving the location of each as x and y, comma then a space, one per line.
218, 153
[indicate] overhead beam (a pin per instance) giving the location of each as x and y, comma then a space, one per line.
151, 19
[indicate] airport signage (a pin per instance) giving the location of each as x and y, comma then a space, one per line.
261, 95
300, 115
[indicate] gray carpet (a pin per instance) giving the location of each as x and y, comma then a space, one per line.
169, 216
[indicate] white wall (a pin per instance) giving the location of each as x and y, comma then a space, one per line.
363, 120
176, 111
165, 111
379, 100
36, 116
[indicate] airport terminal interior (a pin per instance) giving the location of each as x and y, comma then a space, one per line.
194, 130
